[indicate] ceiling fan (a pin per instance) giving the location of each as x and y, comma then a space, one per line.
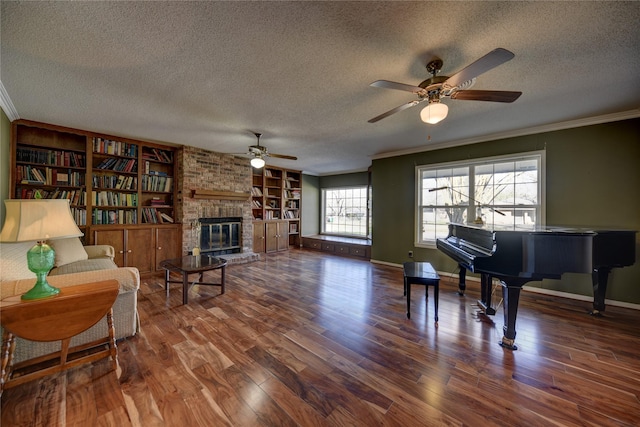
259, 153
457, 86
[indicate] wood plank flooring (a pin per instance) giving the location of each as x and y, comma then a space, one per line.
302, 338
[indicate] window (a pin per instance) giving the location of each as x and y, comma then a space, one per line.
506, 191
344, 211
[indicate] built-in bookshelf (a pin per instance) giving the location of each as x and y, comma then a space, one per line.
157, 185
51, 164
114, 182
291, 193
108, 180
276, 195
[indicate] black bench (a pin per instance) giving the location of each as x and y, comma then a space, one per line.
420, 273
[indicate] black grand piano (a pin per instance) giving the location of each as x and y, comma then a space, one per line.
517, 256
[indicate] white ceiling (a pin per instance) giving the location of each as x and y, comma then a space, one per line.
208, 74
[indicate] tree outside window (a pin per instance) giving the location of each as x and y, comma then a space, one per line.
505, 192
344, 211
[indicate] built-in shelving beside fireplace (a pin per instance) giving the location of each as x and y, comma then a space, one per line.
276, 197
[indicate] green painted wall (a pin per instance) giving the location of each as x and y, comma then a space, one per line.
312, 195
5, 144
310, 205
592, 174
344, 180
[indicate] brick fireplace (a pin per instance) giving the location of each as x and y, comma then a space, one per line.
207, 170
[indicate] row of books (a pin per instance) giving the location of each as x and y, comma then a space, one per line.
119, 165
158, 202
26, 174
119, 182
157, 183
256, 191
75, 197
272, 215
292, 194
292, 204
108, 146
79, 215
291, 214
155, 216
110, 198
256, 204
157, 155
114, 216
149, 171
50, 157
268, 173
291, 183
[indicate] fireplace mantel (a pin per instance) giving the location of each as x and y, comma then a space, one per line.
220, 195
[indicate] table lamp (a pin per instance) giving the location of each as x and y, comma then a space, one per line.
39, 220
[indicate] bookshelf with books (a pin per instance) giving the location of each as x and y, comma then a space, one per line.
276, 198
157, 185
257, 195
50, 164
113, 184
292, 199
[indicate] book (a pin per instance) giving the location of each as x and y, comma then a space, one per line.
166, 217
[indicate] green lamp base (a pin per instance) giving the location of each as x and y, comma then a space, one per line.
40, 260
41, 290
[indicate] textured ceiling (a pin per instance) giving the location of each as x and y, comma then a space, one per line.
208, 74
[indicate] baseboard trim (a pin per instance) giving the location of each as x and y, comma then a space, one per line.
532, 289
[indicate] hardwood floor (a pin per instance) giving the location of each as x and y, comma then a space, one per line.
304, 338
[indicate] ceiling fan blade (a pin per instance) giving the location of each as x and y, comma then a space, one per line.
282, 156
486, 95
386, 84
395, 110
489, 61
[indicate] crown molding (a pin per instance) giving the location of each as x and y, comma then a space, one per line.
606, 118
6, 104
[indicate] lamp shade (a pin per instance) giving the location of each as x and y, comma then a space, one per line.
38, 219
434, 112
257, 162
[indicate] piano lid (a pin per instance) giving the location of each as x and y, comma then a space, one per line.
531, 228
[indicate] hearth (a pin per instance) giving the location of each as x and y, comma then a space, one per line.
219, 236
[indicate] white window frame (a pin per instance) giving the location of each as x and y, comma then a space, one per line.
364, 213
468, 189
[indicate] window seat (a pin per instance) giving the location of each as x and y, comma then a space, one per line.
344, 246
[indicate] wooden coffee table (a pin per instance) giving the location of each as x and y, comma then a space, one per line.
190, 265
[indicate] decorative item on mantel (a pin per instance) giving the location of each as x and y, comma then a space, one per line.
220, 195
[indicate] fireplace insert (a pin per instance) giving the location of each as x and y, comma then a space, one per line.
220, 236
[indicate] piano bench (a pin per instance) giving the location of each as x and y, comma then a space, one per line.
421, 273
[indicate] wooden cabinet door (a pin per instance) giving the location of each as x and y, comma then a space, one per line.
283, 236
140, 249
271, 236
167, 244
276, 236
114, 238
258, 237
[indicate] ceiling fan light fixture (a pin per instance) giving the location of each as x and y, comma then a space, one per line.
257, 162
434, 113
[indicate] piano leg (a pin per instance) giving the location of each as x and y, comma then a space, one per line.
511, 297
599, 278
462, 285
485, 294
